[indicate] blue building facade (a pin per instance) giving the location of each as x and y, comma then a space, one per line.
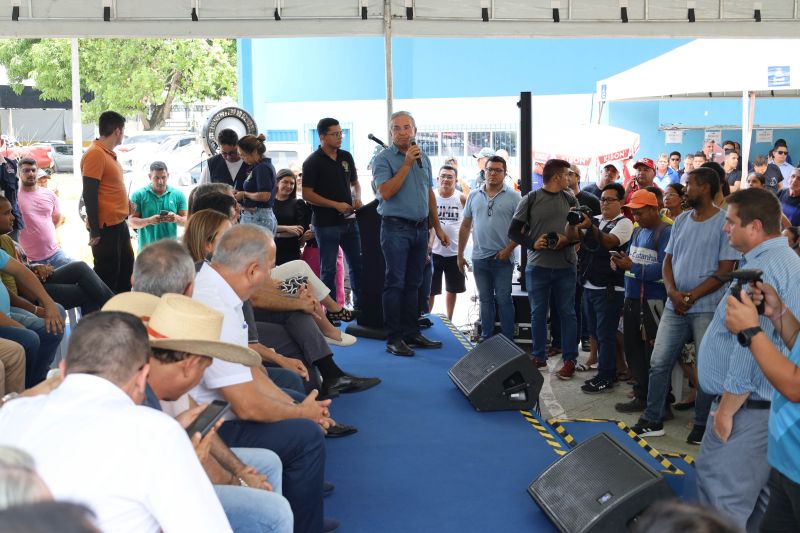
293, 70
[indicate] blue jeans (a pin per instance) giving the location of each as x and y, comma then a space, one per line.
329, 239
36, 367
263, 216
300, 444
252, 510
404, 248
540, 282
602, 311
493, 280
56, 260
674, 331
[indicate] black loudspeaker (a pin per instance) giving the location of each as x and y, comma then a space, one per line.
598, 487
497, 375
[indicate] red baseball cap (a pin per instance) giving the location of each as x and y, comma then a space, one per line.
646, 161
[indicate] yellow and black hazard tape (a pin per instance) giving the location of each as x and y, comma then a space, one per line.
556, 446
460, 337
668, 467
685, 456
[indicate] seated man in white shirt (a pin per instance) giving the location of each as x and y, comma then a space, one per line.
183, 335
239, 266
133, 466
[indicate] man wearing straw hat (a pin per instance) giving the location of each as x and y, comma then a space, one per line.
184, 336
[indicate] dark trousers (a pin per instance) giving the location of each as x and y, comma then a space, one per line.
637, 349
113, 257
300, 444
602, 307
329, 240
783, 509
580, 317
77, 285
404, 245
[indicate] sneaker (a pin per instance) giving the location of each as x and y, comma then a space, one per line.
634, 406
597, 386
539, 363
567, 371
585, 345
696, 435
646, 428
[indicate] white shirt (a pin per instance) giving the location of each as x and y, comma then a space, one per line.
450, 211
211, 289
133, 466
233, 168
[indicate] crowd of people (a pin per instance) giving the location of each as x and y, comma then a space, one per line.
240, 313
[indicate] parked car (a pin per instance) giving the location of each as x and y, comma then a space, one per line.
41, 153
62, 157
139, 147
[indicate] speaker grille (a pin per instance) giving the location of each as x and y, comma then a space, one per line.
588, 481
492, 353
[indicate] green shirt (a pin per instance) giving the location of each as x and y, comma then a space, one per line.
149, 204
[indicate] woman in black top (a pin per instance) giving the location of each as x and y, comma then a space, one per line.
257, 190
293, 217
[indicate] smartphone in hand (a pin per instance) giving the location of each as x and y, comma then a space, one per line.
208, 418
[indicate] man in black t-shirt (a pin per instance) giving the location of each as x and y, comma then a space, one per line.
330, 185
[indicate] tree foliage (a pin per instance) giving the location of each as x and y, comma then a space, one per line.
131, 76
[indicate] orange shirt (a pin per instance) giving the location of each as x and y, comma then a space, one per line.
101, 164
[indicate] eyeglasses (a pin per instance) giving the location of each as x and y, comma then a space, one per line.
232, 153
782, 152
608, 200
490, 205
494, 170
336, 134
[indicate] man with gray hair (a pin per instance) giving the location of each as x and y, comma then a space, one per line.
163, 267
402, 175
240, 265
95, 418
158, 208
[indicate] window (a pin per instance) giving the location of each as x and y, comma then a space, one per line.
452, 143
282, 136
506, 140
428, 142
477, 140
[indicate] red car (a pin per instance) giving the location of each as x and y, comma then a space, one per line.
42, 153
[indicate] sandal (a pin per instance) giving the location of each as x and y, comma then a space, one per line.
580, 367
344, 314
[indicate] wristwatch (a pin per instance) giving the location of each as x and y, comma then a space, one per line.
745, 336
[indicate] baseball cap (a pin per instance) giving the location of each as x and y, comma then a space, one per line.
615, 166
642, 198
485, 152
42, 174
646, 161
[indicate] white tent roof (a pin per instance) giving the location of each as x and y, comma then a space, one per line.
433, 18
716, 67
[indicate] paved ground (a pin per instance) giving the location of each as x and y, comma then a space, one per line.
565, 397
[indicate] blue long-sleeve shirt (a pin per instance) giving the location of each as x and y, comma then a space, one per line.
723, 364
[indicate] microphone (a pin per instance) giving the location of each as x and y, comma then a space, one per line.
371, 137
419, 159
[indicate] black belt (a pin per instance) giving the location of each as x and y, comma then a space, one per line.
751, 404
408, 222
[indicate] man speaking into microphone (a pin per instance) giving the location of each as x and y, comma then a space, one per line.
402, 175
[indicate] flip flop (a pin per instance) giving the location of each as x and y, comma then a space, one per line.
347, 340
580, 367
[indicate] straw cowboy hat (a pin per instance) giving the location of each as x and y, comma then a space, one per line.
176, 322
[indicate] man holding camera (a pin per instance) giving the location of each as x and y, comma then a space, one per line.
539, 226
602, 237
158, 208
741, 408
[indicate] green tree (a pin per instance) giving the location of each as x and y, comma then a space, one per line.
131, 76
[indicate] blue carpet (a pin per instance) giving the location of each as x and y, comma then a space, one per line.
425, 460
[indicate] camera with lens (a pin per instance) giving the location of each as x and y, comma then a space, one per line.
575, 216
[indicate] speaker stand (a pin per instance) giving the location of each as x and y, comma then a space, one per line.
367, 332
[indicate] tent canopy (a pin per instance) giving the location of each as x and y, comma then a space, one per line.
718, 67
431, 18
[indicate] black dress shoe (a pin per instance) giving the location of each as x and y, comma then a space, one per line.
327, 393
399, 348
348, 383
421, 341
340, 430
424, 322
